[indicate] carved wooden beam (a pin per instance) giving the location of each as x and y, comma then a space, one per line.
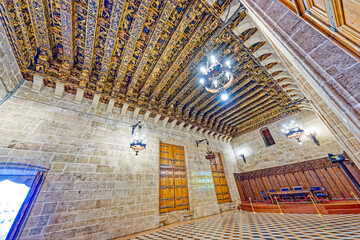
160, 24
193, 94
240, 98
202, 28
19, 51
190, 80
255, 112
136, 28
204, 107
116, 14
225, 53
248, 112
190, 15
192, 64
265, 118
67, 21
30, 51
91, 36
241, 108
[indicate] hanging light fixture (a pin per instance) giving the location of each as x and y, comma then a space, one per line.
216, 77
209, 153
138, 141
293, 131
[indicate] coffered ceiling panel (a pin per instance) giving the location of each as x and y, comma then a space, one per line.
146, 55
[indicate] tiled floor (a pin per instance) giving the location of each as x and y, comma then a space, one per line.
247, 225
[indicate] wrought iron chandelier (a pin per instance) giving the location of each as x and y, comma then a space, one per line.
216, 76
138, 141
293, 131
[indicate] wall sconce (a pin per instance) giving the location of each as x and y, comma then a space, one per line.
312, 135
243, 157
138, 141
209, 154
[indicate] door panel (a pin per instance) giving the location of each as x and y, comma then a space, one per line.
347, 14
221, 186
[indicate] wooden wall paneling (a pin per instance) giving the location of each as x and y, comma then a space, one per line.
302, 178
271, 182
267, 183
280, 181
310, 179
243, 193
314, 173
285, 180
274, 182
332, 183
254, 188
356, 175
293, 180
246, 189
249, 189
260, 183
347, 181
317, 174
341, 180
355, 172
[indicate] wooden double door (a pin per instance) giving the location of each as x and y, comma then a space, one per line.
173, 179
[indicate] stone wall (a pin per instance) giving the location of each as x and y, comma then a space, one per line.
95, 187
10, 74
285, 151
334, 106
331, 71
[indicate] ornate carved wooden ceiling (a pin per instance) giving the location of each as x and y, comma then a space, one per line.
145, 54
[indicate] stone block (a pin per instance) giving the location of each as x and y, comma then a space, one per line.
49, 208
38, 83
308, 38
290, 23
349, 80
329, 55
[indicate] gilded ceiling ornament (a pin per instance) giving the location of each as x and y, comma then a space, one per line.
83, 44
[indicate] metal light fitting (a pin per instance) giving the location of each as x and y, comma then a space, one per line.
138, 141
209, 154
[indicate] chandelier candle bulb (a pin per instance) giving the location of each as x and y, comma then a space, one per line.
228, 63
224, 96
203, 70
